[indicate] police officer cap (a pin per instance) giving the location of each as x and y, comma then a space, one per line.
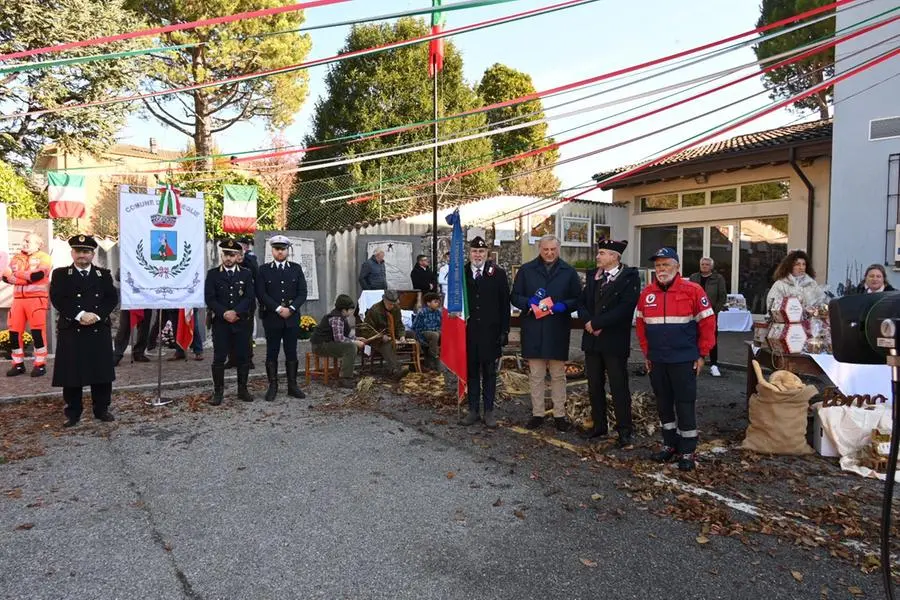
478, 242
83, 242
666, 253
614, 245
247, 239
279, 241
230, 246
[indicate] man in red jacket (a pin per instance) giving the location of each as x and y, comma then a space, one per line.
676, 327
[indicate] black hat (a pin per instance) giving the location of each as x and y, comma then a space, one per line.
478, 242
344, 302
614, 245
247, 239
83, 242
230, 246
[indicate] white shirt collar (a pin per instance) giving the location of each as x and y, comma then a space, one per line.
231, 269
614, 272
476, 269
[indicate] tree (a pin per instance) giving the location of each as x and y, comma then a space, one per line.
221, 52
18, 196
275, 173
498, 84
28, 24
266, 206
383, 90
799, 76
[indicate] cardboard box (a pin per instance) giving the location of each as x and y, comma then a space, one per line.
821, 443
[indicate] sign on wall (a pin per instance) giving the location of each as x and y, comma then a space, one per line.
398, 262
302, 252
161, 250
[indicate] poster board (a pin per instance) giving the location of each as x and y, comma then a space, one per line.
302, 252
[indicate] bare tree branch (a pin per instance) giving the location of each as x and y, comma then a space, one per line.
165, 118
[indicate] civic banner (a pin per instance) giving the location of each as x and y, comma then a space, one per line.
162, 240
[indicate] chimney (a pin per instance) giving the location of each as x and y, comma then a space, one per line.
152, 145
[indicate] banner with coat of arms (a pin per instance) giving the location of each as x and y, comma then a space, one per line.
162, 238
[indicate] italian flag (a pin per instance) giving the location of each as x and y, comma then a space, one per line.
67, 195
184, 331
239, 211
456, 309
436, 47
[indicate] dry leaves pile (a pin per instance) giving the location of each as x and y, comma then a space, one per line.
643, 407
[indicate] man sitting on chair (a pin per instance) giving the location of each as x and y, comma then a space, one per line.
332, 337
381, 320
427, 325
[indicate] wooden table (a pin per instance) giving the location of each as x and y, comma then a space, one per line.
800, 364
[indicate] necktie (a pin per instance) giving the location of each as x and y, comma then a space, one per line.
603, 278
478, 274
84, 273
230, 274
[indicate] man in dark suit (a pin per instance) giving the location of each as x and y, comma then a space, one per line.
229, 294
84, 296
281, 290
487, 330
607, 307
423, 278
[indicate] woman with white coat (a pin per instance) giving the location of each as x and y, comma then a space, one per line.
795, 277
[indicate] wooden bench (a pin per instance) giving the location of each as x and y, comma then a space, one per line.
315, 368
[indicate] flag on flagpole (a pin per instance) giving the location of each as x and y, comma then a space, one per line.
184, 334
456, 310
239, 210
436, 47
67, 195
135, 317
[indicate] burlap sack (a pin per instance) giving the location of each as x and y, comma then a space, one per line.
778, 420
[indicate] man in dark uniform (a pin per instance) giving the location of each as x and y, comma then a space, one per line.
281, 289
247, 260
607, 307
229, 294
422, 276
487, 329
84, 296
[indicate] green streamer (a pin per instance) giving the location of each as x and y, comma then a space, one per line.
46, 64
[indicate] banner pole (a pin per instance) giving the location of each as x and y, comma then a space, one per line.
159, 401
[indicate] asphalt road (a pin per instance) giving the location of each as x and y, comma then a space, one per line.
287, 500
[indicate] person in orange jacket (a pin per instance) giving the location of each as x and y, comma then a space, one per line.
29, 274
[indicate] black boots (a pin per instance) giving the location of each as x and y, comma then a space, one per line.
218, 376
17, 369
272, 376
243, 374
293, 390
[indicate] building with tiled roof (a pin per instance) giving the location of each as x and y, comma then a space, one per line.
743, 201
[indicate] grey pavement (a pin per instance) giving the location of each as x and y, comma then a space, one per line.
283, 500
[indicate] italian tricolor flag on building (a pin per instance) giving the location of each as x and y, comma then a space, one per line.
456, 308
67, 195
239, 210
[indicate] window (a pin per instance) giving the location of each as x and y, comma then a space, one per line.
693, 199
764, 243
654, 238
661, 202
726, 196
772, 190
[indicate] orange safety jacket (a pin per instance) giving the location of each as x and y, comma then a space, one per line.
21, 268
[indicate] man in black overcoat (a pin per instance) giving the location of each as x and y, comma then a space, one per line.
487, 330
607, 307
229, 294
281, 290
422, 276
84, 296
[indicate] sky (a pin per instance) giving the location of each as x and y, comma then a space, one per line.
556, 49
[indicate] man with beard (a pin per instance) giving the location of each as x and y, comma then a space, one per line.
676, 327
487, 330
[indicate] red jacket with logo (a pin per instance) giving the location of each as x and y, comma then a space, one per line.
675, 323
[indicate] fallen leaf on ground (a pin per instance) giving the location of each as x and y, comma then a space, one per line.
25, 526
855, 591
702, 539
588, 562
596, 496
451, 475
15, 493
519, 514
497, 502
797, 575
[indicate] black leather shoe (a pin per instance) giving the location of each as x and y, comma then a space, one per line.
106, 417
140, 358
70, 423
534, 423
117, 361
38, 371
664, 455
595, 434
625, 442
18, 369
686, 462
562, 424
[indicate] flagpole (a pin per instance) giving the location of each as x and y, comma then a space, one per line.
434, 199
